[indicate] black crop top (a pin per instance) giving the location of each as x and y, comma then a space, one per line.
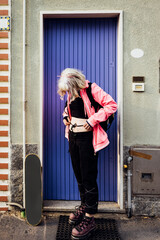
77, 108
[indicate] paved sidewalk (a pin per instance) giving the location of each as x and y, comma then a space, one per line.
12, 227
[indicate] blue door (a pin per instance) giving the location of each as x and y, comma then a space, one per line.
89, 45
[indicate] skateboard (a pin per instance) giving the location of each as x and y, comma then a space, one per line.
33, 190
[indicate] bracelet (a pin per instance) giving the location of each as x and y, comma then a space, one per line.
66, 118
89, 124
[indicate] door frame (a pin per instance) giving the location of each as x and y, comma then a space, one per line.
92, 14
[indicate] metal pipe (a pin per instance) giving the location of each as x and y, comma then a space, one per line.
24, 100
15, 204
129, 174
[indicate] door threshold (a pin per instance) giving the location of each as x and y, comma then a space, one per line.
67, 206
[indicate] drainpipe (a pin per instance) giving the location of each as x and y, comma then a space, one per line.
129, 174
24, 97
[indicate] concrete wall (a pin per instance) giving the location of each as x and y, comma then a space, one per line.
141, 110
141, 30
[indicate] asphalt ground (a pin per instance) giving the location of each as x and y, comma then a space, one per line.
12, 226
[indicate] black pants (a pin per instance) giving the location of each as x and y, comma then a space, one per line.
84, 164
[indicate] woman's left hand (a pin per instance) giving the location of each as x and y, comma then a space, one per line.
87, 126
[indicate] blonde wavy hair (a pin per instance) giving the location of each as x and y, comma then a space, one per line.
71, 81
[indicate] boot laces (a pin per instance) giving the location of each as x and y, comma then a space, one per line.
85, 222
79, 210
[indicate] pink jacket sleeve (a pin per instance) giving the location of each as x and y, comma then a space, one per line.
105, 100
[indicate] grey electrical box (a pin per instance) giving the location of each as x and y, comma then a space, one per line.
146, 173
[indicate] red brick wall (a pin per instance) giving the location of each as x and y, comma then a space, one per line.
4, 109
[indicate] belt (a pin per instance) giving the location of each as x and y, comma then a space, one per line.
81, 135
78, 128
77, 125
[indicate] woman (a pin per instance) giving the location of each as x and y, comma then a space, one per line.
86, 137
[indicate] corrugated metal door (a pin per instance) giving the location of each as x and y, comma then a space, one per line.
89, 45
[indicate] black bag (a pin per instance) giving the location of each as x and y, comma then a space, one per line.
106, 124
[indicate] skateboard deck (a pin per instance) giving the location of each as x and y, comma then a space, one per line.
33, 189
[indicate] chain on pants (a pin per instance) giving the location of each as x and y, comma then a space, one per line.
84, 164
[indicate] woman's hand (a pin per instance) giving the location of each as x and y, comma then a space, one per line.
87, 126
66, 122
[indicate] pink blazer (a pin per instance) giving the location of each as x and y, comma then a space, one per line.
100, 137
